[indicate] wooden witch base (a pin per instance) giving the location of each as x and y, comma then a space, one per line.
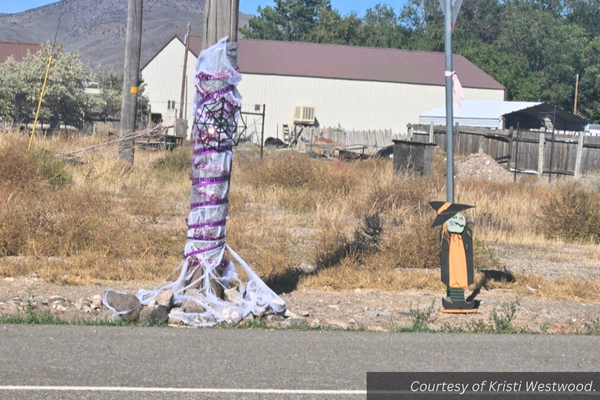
451, 311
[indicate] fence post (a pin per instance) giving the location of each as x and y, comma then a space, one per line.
578, 156
410, 132
541, 154
517, 153
510, 146
431, 132
457, 135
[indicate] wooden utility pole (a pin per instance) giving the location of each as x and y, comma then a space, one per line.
184, 78
131, 78
221, 18
576, 90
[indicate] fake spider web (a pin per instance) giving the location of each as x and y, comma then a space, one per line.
205, 278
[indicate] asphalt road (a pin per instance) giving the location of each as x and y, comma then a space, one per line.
95, 362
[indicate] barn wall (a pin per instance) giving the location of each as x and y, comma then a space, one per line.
163, 82
353, 105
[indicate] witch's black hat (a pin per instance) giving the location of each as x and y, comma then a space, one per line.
446, 211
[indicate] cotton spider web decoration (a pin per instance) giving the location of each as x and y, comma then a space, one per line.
216, 125
207, 280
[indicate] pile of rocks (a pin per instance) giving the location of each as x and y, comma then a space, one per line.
482, 167
128, 307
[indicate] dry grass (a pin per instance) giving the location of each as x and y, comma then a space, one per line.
98, 220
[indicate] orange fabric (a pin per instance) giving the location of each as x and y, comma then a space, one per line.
443, 208
457, 263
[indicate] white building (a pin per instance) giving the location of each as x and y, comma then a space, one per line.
356, 88
506, 114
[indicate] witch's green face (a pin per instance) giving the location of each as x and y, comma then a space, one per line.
457, 223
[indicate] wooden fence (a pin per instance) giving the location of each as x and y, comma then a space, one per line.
370, 140
526, 151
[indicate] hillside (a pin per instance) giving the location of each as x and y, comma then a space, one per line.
96, 28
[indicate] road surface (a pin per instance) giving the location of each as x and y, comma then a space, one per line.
89, 362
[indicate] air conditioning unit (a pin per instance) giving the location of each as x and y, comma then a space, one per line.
304, 115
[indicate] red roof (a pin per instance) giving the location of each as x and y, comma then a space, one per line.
18, 51
270, 57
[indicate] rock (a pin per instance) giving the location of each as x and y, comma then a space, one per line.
315, 323
153, 304
304, 313
297, 322
334, 323
233, 296
231, 315
289, 314
174, 321
272, 319
55, 299
108, 316
191, 306
191, 292
165, 298
215, 286
87, 309
97, 300
124, 303
78, 306
9, 279
154, 316
33, 276
85, 302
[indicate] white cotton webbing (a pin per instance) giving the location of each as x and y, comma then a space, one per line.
216, 111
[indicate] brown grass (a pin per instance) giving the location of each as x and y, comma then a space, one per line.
99, 220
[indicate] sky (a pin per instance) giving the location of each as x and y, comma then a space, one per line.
246, 6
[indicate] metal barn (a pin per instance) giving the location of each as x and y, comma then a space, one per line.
355, 88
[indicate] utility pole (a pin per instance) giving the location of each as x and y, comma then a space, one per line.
449, 103
576, 92
184, 78
221, 18
131, 78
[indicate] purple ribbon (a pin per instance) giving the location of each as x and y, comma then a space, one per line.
206, 238
211, 224
203, 76
217, 202
217, 149
213, 95
210, 180
206, 250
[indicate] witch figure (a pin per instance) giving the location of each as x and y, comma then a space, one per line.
456, 257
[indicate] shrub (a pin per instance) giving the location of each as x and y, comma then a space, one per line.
177, 160
572, 214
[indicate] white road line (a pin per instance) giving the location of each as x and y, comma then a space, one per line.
178, 390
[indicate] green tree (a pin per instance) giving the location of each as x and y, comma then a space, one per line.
382, 28
336, 29
552, 48
290, 20
64, 97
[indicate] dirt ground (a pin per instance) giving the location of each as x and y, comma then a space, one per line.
375, 310
370, 310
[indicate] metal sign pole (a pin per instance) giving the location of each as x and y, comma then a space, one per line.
449, 105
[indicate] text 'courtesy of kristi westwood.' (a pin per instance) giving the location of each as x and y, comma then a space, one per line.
482, 385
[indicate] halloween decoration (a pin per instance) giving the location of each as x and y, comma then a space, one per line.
206, 280
456, 257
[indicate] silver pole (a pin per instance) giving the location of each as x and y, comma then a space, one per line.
449, 106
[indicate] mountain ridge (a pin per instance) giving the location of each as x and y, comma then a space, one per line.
96, 28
